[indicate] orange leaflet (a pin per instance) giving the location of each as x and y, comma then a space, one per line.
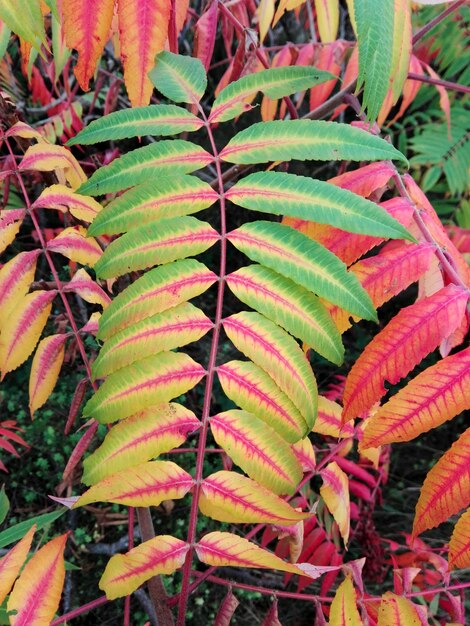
36, 594
143, 29
446, 490
86, 28
12, 562
434, 396
45, 370
204, 37
335, 493
459, 545
329, 58
416, 331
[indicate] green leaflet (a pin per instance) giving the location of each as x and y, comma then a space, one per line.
158, 290
306, 139
314, 200
156, 119
179, 78
275, 83
287, 304
162, 332
142, 384
375, 22
164, 158
307, 263
156, 244
152, 201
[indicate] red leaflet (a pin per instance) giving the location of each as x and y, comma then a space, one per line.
434, 396
416, 331
204, 38
446, 490
86, 28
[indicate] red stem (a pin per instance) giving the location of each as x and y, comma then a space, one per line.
430, 25
130, 537
312, 598
172, 32
209, 385
438, 81
81, 609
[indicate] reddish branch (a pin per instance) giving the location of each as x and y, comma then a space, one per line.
438, 81
198, 478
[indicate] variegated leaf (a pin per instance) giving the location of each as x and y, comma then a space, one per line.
15, 278
152, 201
329, 422
349, 246
395, 610
274, 83
256, 392
284, 140
45, 369
225, 549
335, 493
139, 438
314, 200
156, 119
411, 335
143, 30
162, 332
155, 244
287, 304
231, 497
258, 450
10, 224
44, 157
76, 246
157, 291
125, 573
21, 332
307, 263
12, 562
36, 594
179, 78
276, 352
386, 274
147, 484
434, 396
446, 489
164, 158
147, 382
343, 611
61, 198
87, 289
86, 29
